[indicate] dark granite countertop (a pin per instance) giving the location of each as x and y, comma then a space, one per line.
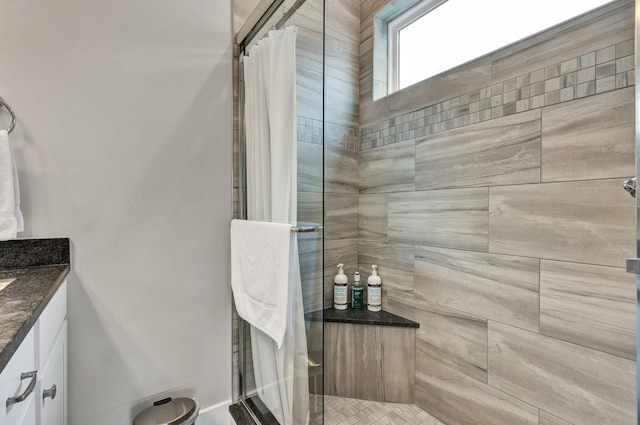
22, 302
361, 317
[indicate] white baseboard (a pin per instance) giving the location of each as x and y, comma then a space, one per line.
218, 414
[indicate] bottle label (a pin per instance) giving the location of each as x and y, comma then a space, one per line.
357, 298
340, 294
375, 295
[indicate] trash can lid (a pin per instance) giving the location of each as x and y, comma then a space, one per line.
167, 412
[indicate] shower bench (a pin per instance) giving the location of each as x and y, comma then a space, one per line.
368, 355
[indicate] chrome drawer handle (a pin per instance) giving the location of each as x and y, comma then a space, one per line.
22, 397
51, 392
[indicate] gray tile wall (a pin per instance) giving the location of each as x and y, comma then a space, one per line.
342, 140
530, 211
412, 115
490, 197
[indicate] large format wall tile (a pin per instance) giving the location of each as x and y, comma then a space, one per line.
343, 19
338, 251
592, 306
500, 151
341, 216
310, 255
388, 169
309, 92
309, 167
577, 384
456, 399
310, 210
548, 419
340, 170
372, 213
371, 111
308, 38
341, 103
610, 25
589, 138
370, 7
395, 266
453, 338
587, 222
343, 40
463, 79
456, 218
497, 287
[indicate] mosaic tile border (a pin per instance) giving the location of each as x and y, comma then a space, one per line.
309, 130
336, 135
597, 72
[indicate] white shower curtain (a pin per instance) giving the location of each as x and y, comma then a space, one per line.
271, 163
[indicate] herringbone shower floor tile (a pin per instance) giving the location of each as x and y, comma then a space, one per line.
348, 411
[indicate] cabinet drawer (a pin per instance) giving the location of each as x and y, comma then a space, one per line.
11, 384
50, 322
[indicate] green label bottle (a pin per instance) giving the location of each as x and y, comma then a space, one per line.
357, 293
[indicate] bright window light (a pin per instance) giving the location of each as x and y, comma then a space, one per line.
458, 31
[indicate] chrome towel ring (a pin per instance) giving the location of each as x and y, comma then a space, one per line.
13, 115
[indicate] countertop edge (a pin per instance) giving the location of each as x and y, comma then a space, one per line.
10, 347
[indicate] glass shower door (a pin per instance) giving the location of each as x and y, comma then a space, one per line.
308, 18
633, 264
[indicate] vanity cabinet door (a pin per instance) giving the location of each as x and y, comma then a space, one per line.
52, 384
50, 323
17, 385
30, 415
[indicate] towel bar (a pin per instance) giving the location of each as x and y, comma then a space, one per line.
306, 229
13, 115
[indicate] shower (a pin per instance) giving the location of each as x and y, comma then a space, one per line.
489, 197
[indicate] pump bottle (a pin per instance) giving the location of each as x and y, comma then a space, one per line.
340, 285
357, 293
374, 290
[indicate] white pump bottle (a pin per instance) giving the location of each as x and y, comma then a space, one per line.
340, 286
374, 290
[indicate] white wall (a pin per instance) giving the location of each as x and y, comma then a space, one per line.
124, 144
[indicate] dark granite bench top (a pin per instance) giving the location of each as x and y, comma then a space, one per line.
39, 267
361, 317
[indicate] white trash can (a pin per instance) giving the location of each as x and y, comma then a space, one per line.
168, 411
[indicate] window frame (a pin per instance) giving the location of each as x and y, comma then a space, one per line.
400, 14
394, 27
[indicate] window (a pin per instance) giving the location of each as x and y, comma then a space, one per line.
436, 35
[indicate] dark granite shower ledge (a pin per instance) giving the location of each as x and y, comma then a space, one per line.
361, 317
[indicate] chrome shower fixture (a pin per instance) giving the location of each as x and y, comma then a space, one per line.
630, 186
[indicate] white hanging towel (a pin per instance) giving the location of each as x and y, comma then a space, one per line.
11, 221
261, 273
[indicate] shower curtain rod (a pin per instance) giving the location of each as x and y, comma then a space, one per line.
261, 14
